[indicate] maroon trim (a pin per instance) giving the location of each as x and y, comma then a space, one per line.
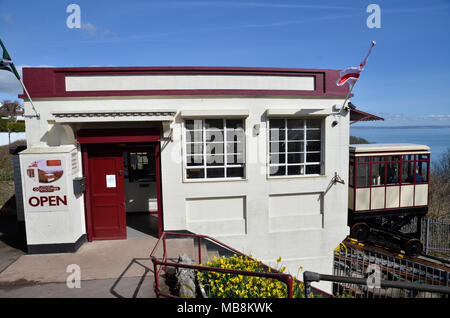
50, 82
87, 197
102, 136
358, 115
389, 209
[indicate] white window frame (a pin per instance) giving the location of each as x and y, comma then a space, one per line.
304, 153
204, 166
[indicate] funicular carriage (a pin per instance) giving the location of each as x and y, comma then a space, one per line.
388, 189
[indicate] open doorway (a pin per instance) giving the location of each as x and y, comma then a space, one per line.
123, 184
140, 186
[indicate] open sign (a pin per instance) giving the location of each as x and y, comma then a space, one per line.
52, 200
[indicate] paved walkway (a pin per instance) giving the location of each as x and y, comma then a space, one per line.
120, 268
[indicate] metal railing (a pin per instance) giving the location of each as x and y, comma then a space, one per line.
162, 261
309, 277
435, 235
355, 260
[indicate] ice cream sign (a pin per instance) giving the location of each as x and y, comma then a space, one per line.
45, 184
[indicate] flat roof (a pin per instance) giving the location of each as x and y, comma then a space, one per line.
387, 147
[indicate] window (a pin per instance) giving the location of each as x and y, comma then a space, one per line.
215, 148
422, 172
378, 173
362, 175
141, 166
294, 147
391, 170
351, 173
407, 171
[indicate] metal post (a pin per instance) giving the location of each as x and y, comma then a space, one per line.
427, 229
289, 282
155, 268
309, 277
307, 289
199, 250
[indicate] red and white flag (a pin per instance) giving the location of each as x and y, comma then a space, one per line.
351, 74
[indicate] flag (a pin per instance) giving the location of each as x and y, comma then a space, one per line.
6, 62
351, 74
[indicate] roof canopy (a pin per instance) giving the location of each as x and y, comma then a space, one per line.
358, 115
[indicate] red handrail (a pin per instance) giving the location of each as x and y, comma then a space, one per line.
273, 273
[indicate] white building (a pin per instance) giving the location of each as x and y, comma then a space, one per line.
246, 155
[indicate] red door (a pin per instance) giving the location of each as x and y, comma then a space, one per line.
107, 195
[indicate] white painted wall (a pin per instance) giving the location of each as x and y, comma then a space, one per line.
143, 82
267, 217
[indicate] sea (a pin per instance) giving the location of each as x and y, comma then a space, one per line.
435, 137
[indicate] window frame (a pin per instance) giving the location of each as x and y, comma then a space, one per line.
204, 166
321, 152
401, 161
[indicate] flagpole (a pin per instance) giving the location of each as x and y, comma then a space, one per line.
348, 96
362, 65
31, 101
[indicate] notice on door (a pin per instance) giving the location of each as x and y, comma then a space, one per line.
110, 180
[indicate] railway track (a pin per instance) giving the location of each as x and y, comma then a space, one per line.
353, 258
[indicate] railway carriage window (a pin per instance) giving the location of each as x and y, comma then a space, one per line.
378, 174
407, 157
363, 160
393, 172
422, 157
407, 172
351, 174
422, 172
378, 159
362, 175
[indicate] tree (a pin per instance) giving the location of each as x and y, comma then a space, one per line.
439, 207
358, 140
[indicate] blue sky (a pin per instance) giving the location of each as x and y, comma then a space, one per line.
406, 79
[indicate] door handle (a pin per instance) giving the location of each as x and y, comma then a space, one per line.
120, 172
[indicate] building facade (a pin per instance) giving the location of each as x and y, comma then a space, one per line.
246, 155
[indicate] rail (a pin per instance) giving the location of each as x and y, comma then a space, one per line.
309, 277
163, 262
353, 259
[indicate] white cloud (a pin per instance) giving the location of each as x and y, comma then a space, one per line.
94, 31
